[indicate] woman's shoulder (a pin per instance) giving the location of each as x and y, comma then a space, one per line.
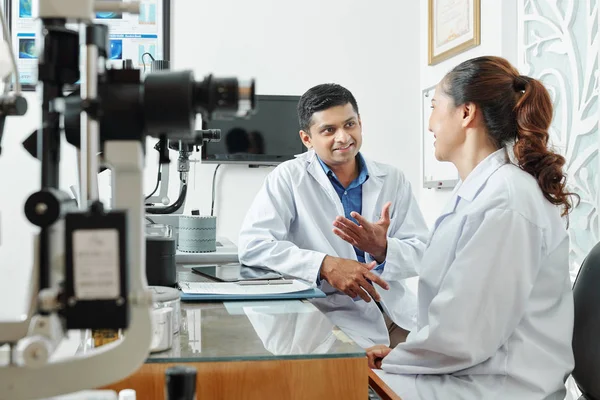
513, 189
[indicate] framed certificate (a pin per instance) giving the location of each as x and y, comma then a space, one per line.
454, 26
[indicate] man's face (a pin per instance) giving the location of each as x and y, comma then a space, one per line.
335, 134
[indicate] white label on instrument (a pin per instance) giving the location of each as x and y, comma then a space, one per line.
96, 264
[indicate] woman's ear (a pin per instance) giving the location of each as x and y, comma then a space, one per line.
469, 112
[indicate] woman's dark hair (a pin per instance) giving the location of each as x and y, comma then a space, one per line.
322, 97
515, 108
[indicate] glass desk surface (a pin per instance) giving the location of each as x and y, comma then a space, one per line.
255, 330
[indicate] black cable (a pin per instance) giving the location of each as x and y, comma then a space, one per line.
143, 62
158, 179
150, 220
212, 204
173, 207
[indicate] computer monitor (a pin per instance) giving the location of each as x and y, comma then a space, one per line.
268, 137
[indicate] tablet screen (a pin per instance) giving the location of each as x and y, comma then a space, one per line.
235, 272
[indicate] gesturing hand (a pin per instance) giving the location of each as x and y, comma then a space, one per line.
352, 277
368, 236
376, 354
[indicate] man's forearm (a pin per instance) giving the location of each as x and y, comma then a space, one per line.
284, 257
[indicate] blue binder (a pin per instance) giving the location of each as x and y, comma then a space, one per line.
305, 294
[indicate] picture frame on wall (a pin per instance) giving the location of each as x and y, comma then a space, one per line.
454, 27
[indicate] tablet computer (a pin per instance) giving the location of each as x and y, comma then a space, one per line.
235, 272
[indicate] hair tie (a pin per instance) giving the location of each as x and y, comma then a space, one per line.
520, 83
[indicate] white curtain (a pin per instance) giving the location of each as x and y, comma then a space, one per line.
559, 44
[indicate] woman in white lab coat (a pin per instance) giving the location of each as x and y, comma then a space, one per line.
495, 310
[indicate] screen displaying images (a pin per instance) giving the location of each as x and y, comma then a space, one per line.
131, 36
116, 49
25, 9
27, 48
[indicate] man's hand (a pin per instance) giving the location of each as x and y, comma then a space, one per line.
376, 354
369, 237
352, 277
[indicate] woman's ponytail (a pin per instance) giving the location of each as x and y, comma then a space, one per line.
533, 112
516, 109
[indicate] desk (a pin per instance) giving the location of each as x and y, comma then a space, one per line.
381, 388
258, 350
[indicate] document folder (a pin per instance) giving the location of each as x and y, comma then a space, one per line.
210, 291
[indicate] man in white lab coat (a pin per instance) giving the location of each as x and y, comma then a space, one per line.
312, 219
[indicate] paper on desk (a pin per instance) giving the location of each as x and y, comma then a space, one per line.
232, 288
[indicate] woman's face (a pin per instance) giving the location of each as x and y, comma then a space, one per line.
446, 124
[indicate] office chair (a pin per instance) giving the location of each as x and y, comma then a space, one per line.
586, 331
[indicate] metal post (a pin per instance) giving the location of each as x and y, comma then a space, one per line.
90, 132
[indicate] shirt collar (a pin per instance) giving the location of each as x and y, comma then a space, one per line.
363, 173
481, 173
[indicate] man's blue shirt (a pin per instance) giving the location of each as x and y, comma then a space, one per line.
351, 196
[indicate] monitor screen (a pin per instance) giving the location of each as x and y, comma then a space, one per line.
136, 37
270, 136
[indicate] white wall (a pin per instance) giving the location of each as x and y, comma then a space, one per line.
498, 37
368, 47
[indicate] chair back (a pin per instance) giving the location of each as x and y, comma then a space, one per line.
586, 331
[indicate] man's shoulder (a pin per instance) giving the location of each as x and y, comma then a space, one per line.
291, 168
379, 168
299, 162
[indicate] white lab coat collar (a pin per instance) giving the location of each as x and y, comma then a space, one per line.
371, 188
469, 189
311, 159
316, 171
481, 173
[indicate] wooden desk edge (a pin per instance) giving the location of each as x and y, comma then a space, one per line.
300, 379
381, 388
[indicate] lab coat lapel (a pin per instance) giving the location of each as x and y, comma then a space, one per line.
468, 189
449, 209
316, 171
371, 192
370, 195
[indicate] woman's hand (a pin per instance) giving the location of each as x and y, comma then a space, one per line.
376, 354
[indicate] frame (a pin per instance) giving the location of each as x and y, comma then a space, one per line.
166, 21
454, 27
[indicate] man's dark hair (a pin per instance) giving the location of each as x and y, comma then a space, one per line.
322, 97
